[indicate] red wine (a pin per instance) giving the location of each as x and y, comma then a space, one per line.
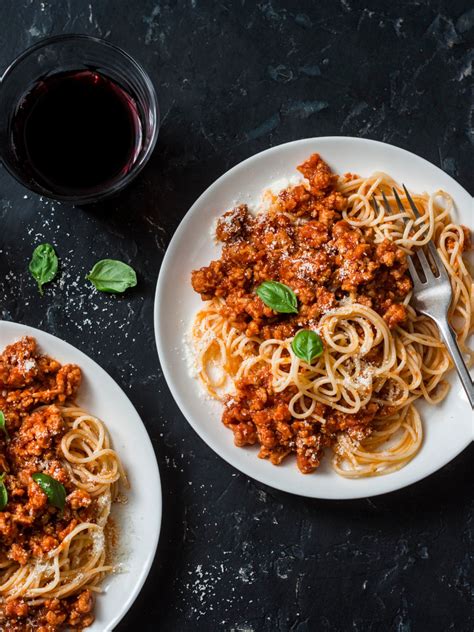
76, 131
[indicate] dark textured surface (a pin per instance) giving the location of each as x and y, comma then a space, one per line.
234, 78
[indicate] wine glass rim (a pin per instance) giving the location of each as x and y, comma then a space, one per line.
55, 39
90, 196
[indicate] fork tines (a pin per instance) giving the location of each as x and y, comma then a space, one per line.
433, 269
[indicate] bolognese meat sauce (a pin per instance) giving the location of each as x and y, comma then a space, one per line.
304, 242
29, 526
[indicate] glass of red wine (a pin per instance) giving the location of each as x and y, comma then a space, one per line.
78, 118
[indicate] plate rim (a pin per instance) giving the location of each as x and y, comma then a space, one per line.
151, 551
157, 318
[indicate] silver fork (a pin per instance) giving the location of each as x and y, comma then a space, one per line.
432, 295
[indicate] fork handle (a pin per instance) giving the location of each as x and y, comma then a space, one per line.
449, 338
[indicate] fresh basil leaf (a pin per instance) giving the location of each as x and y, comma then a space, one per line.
43, 265
3, 424
278, 297
307, 345
110, 275
53, 489
3, 493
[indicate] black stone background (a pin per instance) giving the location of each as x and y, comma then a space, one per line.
234, 78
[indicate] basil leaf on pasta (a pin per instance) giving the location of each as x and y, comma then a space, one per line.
53, 489
278, 297
3, 424
3, 493
43, 265
307, 345
111, 275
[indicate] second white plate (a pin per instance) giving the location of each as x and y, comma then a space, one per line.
139, 519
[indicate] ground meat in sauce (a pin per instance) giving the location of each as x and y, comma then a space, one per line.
29, 526
70, 613
304, 242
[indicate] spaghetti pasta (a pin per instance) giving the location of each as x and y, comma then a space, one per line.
51, 560
346, 262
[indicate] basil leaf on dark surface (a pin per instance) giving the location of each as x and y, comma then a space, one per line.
3, 493
307, 345
278, 297
111, 275
43, 265
3, 424
53, 489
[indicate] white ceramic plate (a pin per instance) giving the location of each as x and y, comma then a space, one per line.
139, 520
447, 427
